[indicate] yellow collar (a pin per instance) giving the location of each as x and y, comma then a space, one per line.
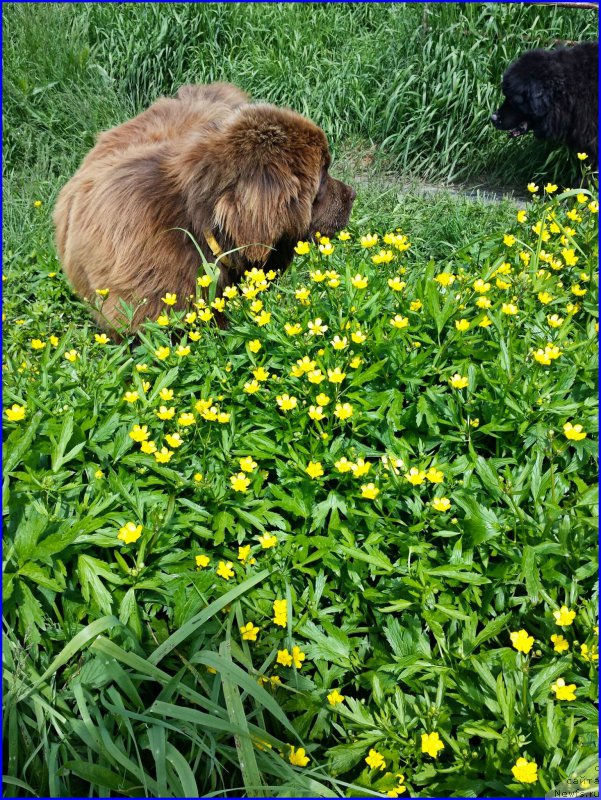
216, 249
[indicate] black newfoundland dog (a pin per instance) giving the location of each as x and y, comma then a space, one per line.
553, 93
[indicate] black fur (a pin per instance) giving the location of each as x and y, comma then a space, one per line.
553, 93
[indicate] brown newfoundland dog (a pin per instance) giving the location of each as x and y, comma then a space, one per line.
229, 173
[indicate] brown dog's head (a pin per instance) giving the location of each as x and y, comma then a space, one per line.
265, 179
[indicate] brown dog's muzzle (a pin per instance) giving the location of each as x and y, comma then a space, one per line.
332, 212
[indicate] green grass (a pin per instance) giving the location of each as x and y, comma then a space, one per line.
125, 670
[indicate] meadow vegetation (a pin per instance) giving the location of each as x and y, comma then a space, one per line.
346, 547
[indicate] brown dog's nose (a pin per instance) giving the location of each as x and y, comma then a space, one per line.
352, 194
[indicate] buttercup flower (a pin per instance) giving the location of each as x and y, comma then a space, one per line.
399, 321
169, 299
71, 355
130, 532
375, 760
554, 320
202, 561
343, 411
38, 344
574, 432
293, 330
280, 612
532, 187
224, 570
198, 477
316, 413
550, 188
148, 447
396, 284
445, 278
509, 240
525, 771
16, 413
370, 491
560, 645
431, 744
462, 325
284, 658
260, 374
509, 308
441, 503
344, 465
165, 413
297, 757
338, 343
314, 469
564, 617
358, 337
249, 632
369, 240
139, 433
247, 464
521, 641
251, 387
336, 375
563, 691
174, 440
240, 482
302, 248
415, 476
335, 698
254, 345
285, 402
360, 468
316, 328
131, 397
163, 455
383, 257
434, 475
267, 540
186, 419
162, 353
297, 657
166, 394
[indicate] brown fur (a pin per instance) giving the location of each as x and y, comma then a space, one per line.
254, 174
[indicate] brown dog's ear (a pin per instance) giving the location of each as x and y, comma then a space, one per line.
275, 157
262, 206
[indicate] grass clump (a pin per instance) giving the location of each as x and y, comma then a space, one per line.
273, 559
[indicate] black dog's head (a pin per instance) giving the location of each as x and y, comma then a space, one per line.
531, 88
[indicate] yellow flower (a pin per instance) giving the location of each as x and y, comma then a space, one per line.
249, 632
240, 482
302, 248
485, 322
316, 413
415, 305
509, 308
355, 362
564, 616
267, 541
254, 345
335, 698
165, 413
297, 757
480, 286
38, 344
130, 532
483, 302
360, 467
148, 447
344, 465
293, 329
71, 355
458, 381
142, 367
525, 771
166, 394
316, 328
560, 645
206, 315
280, 611
139, 434
37, 203
343, 410
577, 290
263, 319
202, 562
53, 340
163, 456
521, 216
441, 503
369, 240
198, 477
218, 304
186, 419
550, 188
169, 299
302, 295
286, 402
224, 570
445, 278
284, 658
563, 691
593, 207
370, 491
99, 474
250, 387
131, 397
182, 351
174, 440
554, 320
375, 760
344, 236
260, 374
336, 375
431, 744
16, 413
542, 357
462, 325
399, 322
396, 284
589, 654
509, 240
338, 343
163, 320
297, 657
162, 353
243, 555
383, 257
532, 187
326, 248
314, 469
574, 432
434, 475
521, 640
247, 464
582, 156
102, 292
545, 297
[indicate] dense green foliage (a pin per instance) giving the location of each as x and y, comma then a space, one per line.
469, 512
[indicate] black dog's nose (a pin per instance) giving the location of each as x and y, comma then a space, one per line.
494, 118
